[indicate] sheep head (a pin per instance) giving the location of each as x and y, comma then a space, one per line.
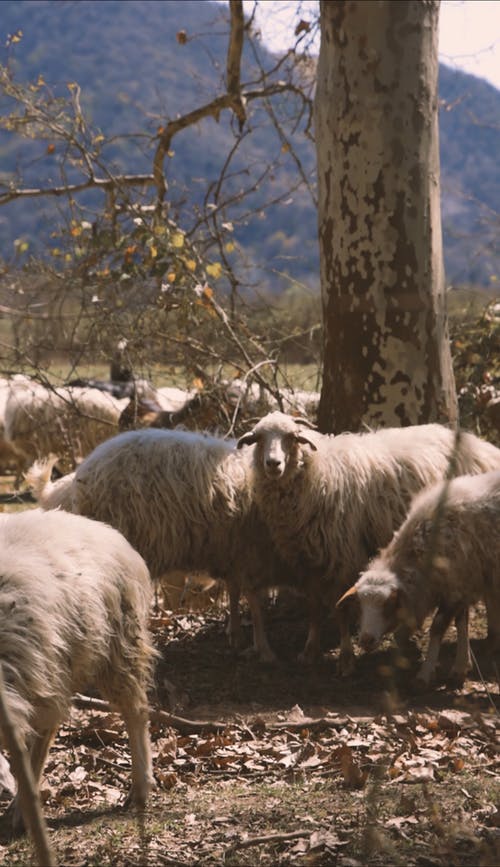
382, 605
278, 438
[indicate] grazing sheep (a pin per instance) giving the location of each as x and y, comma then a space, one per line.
219, 407
330, 502
446, 555
10, 457
170, 398
69, 422
143, 413
129, 388
155, 409
183, 500
117, 389
74, 605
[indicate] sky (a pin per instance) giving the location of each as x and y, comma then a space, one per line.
469, 32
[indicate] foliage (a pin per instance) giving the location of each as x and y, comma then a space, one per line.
127, 275
147, 75
476, 361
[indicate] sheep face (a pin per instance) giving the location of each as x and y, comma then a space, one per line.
381, 604
278, 439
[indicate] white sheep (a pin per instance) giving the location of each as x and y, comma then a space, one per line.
330, 502
184, 501
74, 606
154, 410
10, 457
446, 555
66, 421
224, 406
170, 398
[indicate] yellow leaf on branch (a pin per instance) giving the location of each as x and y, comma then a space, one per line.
178, 240
214, 270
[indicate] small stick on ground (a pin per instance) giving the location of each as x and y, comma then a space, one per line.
267, 838
189, 726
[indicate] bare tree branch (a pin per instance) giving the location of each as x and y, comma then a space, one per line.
68, 189
234, 54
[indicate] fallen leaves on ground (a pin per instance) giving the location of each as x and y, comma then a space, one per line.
276, 786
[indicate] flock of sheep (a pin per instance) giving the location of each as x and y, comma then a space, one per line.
391, 525
37, 420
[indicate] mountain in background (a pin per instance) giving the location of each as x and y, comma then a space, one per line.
134, 74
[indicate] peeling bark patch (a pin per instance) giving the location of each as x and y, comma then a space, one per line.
401, 413
401, 377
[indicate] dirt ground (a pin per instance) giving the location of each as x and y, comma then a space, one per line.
284, 764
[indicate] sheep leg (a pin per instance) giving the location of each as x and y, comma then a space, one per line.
312, 647
463, 661
260, 643
234, 631
136, 722
492, 603
440, 623
39, 748
406, 647
346, 655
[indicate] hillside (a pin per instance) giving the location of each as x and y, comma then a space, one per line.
133, 74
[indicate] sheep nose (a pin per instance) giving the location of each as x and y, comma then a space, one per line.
367, 641
273, 463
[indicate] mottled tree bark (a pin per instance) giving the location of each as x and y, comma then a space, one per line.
387, 358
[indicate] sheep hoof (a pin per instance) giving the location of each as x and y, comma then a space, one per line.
422, 682
345, 665
138, 798
268, 656
263, 654
14, 815
456, 679
308, 656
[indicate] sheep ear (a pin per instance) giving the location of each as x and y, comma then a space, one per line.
351, 592
300, 438
305, 422
247, 439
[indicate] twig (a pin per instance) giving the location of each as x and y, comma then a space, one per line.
28, 794
485, 685
188, 726
267, 838
17, 497
184, 726
310, 724
67, 189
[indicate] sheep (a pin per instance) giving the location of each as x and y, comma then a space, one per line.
10, 457
144, 413
446, 555
117, 389
183, 500
155, 409
67, 421
49, 494
171, 398
74, 605
167, 397
219, 407
330, 502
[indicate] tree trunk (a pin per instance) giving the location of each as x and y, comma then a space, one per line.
387, 359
